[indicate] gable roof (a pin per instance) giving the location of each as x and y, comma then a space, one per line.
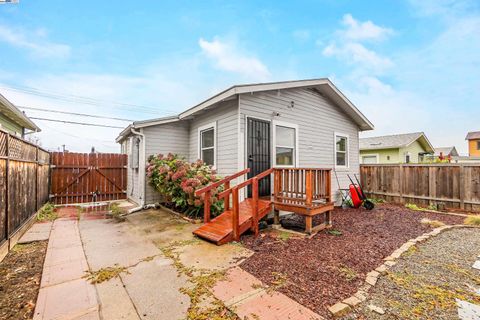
9, 110
473, 135
446, 151
323, 85
395, 141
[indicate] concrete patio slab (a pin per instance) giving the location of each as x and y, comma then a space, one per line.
108, 243
205, 255
115, 301
63, 272
40, 231
154, 288
237, 283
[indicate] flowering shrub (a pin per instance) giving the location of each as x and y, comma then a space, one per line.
178, 180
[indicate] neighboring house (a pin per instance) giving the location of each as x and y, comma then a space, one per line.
473, 143
305, 123
13, 120
397, 148
446, 152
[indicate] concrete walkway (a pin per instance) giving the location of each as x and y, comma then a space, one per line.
151, 286
64, 294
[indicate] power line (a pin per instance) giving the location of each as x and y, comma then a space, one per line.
79, 123
81, 99
74, 113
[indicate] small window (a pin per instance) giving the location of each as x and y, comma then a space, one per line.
285, 145
341, 150
207, 144
407, 158
478, 145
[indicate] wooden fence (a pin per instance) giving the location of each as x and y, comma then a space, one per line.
455, 185
88, 177
24, 184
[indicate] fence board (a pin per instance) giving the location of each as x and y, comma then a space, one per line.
24, 180
455, 185
82, 177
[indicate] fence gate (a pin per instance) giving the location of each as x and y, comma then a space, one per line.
87, 177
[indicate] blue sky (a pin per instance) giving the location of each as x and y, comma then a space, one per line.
408, 65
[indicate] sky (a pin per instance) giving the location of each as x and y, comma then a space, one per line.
407, 65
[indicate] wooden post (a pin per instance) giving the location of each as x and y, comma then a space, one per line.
462, 187
255, 206
226, 200
206, 207
308, 224
432, 187
36, 178
235, 215
308, 188
329, 186
400, 182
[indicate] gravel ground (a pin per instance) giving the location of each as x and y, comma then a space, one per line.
424, 284
328, 268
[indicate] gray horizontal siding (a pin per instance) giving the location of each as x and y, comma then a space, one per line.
317, 119
226, 117
165, 138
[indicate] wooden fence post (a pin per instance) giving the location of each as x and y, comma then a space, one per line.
462, 186
432, 183
400, 181
7, 195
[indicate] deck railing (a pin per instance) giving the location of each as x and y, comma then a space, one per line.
208, 192
308, 187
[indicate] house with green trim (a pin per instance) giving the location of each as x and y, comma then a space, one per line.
397, 148
13, 120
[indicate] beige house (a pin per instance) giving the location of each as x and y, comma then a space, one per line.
397, 148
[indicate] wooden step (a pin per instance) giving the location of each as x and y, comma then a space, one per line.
219, 230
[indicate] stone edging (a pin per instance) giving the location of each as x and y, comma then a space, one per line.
345, 306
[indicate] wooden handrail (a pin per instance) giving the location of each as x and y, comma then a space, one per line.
208, 191
223, 181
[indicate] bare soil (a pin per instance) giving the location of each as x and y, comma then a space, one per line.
330, 267
20, 275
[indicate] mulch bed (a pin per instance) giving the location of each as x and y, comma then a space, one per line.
20, 274
328, 268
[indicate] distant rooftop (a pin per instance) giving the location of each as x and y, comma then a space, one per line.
446, 151
473, 135
394, 141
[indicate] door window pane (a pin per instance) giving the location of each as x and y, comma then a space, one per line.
285, 156
285, 136
208, 138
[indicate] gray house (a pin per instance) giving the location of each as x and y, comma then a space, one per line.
305, 123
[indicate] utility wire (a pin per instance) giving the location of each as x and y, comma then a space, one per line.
74, 113
79, 123
82, 99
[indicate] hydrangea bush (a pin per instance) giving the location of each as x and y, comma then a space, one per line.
177, 180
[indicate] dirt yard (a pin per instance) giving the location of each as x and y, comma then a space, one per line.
331, 266
20, 274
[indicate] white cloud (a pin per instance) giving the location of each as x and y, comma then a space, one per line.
35, 42
228, 57
358, 55
301, 35
367, 30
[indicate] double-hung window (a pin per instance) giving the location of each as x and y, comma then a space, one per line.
341, 150
285, 139
207, 143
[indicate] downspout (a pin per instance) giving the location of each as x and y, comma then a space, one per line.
141, 173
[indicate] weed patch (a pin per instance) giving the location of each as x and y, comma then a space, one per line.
47, 212
432, 223
472, 220
348, 273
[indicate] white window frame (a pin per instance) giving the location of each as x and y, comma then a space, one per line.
274, 143
347, 156
376, 155
212, 125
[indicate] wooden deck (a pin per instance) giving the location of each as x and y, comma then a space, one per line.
304, 191
219, 230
